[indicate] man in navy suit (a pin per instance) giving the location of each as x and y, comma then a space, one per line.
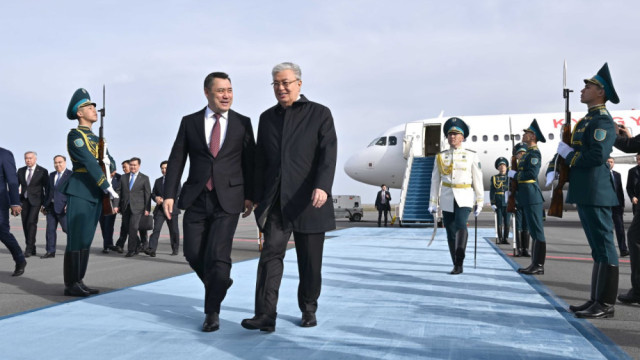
9, 198
157, 194
34, 185
618, 211
55, 205
220, 145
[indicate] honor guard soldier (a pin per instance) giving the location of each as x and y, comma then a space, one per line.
529, 197
84, 189
522, 231
458, 171
499, 187
591, 188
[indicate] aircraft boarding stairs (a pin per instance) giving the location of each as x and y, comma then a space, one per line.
414, 202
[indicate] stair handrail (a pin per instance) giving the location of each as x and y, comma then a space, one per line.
405, 181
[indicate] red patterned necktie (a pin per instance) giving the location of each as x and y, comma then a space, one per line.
214, 145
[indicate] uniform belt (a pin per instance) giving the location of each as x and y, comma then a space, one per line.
526, 181
456, 186
81, 170
499, 193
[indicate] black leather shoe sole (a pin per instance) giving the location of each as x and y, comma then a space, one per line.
258, 324
19, 270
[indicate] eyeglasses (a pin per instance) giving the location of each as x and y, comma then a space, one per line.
285, 84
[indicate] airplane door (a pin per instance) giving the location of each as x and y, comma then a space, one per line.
431, 139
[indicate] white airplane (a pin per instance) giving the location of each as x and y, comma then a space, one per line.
384, 160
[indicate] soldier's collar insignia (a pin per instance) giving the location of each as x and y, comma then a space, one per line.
600, 134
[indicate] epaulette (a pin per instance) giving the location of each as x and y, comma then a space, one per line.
604, 112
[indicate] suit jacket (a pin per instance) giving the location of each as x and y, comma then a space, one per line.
232, 169
8, 182
633, 182
295, 154
56, 200
158, 190
617, 181
38, 186
386, 203
139, 197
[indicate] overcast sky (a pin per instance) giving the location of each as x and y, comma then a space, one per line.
375, 64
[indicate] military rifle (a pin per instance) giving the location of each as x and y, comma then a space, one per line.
513, 183
561, 168
107, 206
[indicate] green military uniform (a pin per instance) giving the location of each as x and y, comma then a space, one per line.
530, 199
592, 189
84, 189
522, 231
499, 187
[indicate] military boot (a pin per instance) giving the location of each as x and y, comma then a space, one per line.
518, 251
592, 298
460, 248
71, 272
524, 238
537, 260
505, 235
499, 234
84, 262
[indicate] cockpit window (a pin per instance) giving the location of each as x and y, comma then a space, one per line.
381, 141
393, 140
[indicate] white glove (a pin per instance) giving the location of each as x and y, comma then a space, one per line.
433, 209
112, 193
512, 173
550, 177
494, 207
478, 210
506, 195
564, 149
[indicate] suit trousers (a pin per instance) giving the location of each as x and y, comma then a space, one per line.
208, 238
382, 209
53, 219
598, 227
82, 220
131, 221
309, 248
107, 224
29, 217
633, 242
8, 239
617, 213
174, 230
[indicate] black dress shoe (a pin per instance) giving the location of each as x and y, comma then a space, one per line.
211, 322
596, 311
117, 249
91, 291
27, 254
260, 322
106, 251
48, 255
624, 253
19, 269
532, 270
582, 307
130, 254
456, 270
75, 290
628, 298
150, 252
174, 253
308, 319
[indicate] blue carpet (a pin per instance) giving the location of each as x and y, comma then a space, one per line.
385, 295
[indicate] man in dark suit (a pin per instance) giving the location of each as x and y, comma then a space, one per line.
34, 185
157, 194
107, 223
618, 211
124, 231
55, 205
220, 145
382, 204
10, 199
633, 184
295, 166
135, 201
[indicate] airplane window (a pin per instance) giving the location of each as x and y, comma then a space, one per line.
496, 138
474, 138
517, 137
373, 142
551, 136
506, 137
485, 138
382, 141
393, 140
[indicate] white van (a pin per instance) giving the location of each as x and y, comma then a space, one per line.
347, 206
